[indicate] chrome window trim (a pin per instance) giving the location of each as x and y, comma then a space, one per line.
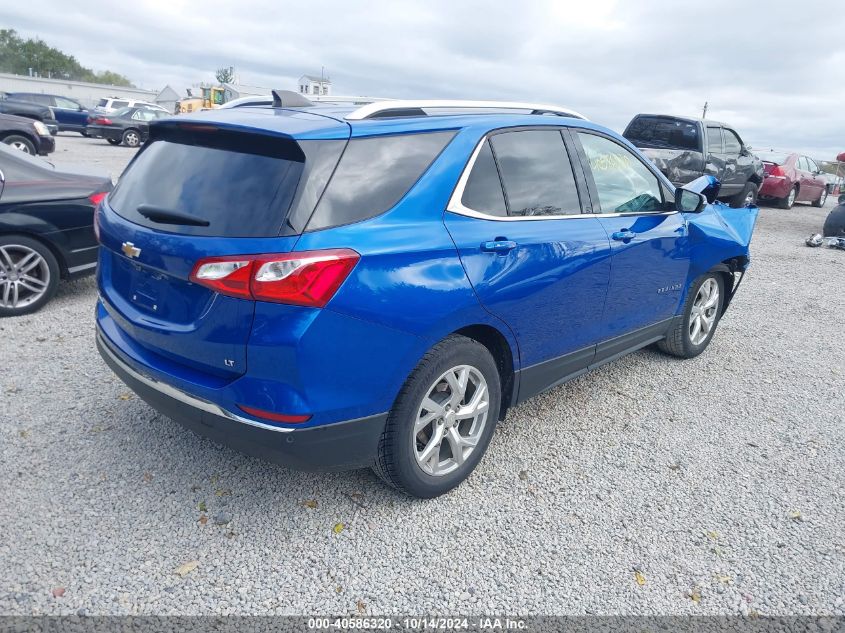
456, 205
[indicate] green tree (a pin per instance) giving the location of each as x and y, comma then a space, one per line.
225, 75
20, 56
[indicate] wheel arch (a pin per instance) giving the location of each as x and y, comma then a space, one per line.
7, 133
500, 348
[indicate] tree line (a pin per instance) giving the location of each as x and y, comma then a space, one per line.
24, 56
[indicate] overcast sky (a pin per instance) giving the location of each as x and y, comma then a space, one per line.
774, 70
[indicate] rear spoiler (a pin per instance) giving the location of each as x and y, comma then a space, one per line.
233, 138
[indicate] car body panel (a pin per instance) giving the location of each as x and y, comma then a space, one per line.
70, 115
421, 276
13, 125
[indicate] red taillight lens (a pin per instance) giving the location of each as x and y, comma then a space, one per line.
275, 417
777, 170
102, 121
308, 278
96, 199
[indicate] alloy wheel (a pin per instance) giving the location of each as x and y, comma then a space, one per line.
24, 276
131, 139
21, 146
703, 312
823, 198
749, 198
792, 194
451, 420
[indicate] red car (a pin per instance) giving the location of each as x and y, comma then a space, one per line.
792, 178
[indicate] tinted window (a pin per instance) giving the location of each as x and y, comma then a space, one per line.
661, 132
373, 175
483, 191
102, 102
714, 140
623, 183
732, 142
536, 173
119, 104
241, 186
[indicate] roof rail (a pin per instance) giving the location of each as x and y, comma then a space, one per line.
400, 108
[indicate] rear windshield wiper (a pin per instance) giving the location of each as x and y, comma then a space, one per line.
169, 216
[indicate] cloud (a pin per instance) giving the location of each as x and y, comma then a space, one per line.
772, 73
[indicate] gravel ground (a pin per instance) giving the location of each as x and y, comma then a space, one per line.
650, 486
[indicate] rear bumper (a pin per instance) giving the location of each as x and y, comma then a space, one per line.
46, 145
339, 446
774, 187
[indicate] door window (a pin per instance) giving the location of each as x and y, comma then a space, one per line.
732, 143
802, 164
624, 184
714, 140
483, 190
119, 104
66, 104
536, 173
811, 165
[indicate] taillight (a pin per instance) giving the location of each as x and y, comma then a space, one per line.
777, 171
308, 278
102, 121
96, 199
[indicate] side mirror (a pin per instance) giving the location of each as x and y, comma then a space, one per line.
687, 201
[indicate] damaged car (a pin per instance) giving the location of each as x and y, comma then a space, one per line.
341, 287
685, 149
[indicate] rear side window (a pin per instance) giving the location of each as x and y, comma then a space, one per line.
119, 104
714, 140
374, 174
663, 133
241, 186
483, 190
536, 173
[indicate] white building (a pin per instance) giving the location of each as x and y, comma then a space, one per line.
87, 94
311, 85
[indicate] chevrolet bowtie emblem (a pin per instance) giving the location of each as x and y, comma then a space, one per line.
130, 250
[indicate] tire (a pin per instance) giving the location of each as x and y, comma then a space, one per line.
745, 198
22, 143
822, 199
401, 460
131, 138
113, 141
22, 294
789, 200
681, 340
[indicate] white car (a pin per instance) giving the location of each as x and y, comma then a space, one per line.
112, 104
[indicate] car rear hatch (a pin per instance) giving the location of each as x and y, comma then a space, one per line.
200, 190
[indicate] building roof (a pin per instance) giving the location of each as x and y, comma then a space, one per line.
324, 80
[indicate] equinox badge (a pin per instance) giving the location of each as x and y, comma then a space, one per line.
130, 250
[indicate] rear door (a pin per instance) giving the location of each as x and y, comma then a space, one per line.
805, 179
817, 182
648, 238
193, 192
534, 259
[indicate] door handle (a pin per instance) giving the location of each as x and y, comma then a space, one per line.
499, 246
625, 235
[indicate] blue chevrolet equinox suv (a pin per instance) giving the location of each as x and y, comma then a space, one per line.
331, 287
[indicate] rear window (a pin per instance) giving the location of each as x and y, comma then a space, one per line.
374, 174
663, 133
773, 157
242, 185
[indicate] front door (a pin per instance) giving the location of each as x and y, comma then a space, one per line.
648, 237
534, 260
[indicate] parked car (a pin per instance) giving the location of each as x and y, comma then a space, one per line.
26, 135
113, 104
46, 229
71, 115
792, 178
129, 126
29, 111
335, 288
684, 149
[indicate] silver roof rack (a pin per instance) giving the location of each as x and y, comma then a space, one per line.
399, 108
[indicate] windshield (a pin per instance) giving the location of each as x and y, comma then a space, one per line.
663, 133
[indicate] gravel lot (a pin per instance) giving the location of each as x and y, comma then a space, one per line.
650, 486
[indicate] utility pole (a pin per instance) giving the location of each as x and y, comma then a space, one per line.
704, 112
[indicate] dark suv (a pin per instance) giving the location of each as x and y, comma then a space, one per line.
71, 115
684, 149
338, 287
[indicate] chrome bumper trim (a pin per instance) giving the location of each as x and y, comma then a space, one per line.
178, 394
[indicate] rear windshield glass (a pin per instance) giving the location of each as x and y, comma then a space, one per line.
240, 187
773, 157
102, 102
663, 133
374, 174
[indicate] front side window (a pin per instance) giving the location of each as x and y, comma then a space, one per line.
714, 140
536, 173
811, 164
732, 143
802, 164
119, 104
66, 104
623, 183
483, 190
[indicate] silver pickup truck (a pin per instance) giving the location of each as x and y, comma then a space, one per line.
684, 149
